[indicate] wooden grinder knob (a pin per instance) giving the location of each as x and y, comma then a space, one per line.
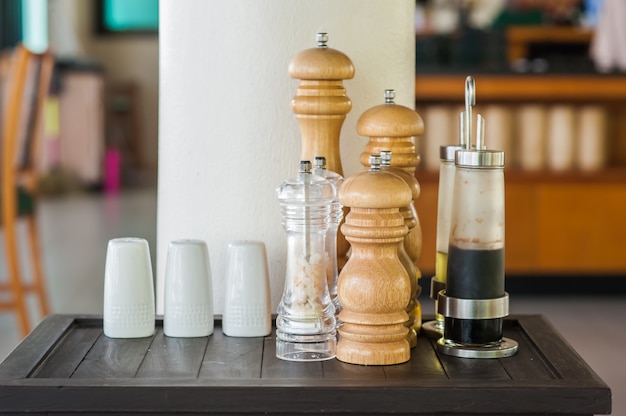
374, 287
391, 126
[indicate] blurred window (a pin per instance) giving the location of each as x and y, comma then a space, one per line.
124, 16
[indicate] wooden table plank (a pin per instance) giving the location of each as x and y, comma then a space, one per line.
565, 361
424, 363
174, 357
335, 369
527, 364
121, 377
66, 357
273, 367
113, 358
229, 357
34, 348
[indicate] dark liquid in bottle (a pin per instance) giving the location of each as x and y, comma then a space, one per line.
474, 274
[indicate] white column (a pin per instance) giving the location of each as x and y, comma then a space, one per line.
227, 136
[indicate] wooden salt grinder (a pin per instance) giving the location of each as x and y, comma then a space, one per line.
391, 127
414, 322
321, 105
374, 287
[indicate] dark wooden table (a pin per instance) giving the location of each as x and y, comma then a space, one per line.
67, 365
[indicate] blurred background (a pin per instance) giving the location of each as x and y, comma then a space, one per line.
97, 133
550, 82
101, 118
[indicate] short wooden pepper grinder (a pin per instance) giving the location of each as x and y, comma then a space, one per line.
374, 287
391, 127
321, 105
412, 309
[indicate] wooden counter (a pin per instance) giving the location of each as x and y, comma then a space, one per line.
67, 365
578, 88
556, 224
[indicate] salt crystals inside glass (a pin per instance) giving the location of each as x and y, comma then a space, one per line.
305, 325
336, 216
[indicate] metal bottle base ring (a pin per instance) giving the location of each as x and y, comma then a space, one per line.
473, 308
506, 348
432, 330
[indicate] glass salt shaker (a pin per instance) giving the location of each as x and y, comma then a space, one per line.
336, 215
306, 325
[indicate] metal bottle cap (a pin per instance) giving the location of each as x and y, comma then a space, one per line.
385, 158
375, 161
320, 162
322, 40
479, 158
305, 166
475, 156
390, 96
446, 153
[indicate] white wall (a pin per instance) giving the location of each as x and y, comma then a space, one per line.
125, 58
228, 137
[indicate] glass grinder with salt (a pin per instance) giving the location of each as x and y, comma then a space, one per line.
305, 323
336, 217
474, 302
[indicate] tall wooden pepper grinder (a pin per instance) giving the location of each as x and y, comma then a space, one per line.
374, 287
391, 127
321, 105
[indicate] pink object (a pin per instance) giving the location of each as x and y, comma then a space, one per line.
112, 162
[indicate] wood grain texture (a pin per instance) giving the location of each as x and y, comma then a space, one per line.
321, 106
178, 357
391, 128
35, 347
410, 250
546, 377
232, 357
113, 358
374, 287
65, 358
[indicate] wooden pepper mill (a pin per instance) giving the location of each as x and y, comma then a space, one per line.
391, 127
321, 105
374, 287
414, 322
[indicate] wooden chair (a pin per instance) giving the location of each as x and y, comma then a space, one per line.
26, 84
